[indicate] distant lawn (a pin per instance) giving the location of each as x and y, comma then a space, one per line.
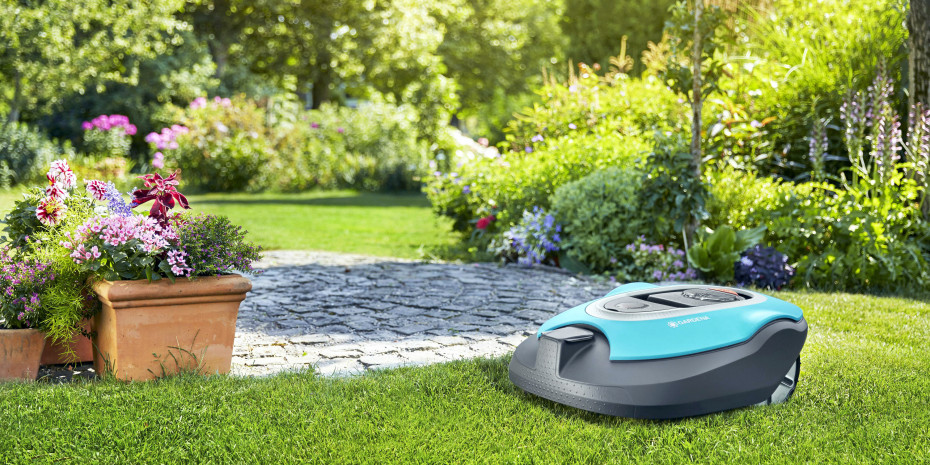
392, 225
862, 397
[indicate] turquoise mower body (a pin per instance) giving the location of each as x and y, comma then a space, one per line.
658, 352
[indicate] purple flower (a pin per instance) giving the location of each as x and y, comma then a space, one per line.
315, 125
340, 130
537, 138
466, 189
572, 126
528, 149
158, 160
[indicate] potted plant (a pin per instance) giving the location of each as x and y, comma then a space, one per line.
161, 288
37, 268
166, 283
22, 283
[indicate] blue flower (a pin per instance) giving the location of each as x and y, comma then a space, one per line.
466, 189
537, 138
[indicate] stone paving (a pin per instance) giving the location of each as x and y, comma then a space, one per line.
343, 314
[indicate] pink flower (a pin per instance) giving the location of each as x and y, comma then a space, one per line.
97, 189
483, 223
87, 125
158, 160
50, 211
315, 125
340, 130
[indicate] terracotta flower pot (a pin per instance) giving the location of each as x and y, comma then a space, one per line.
20, 351
151, 329
55, 354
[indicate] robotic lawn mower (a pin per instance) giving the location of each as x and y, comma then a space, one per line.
646, 351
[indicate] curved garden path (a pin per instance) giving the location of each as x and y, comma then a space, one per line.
344, 314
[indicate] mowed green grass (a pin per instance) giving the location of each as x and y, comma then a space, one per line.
390, 225
863, 397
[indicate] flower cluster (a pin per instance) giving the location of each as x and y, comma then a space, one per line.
818, 148
201, 102
22, 282
655, 262
213, 246
886, 129
167, 138
126, 247
107, 192
918, 145
853, 114
534, 240
107, 123
62, 180
764, 267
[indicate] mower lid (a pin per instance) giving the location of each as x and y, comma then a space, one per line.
643, 321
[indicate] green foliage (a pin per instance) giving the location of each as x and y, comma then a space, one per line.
838, 238
214, 246
518, 181
374, 147
25, 154
671, 187
595, 28
803, 56
678, 72
717, 251
592, 103
51, 49
601, 213
228, 147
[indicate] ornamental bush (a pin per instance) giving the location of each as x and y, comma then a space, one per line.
601, 214
222, 145
517, 181
372, 147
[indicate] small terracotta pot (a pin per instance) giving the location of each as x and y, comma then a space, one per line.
80, 345
20, 351
152, 329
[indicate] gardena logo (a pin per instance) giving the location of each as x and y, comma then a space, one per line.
675, 324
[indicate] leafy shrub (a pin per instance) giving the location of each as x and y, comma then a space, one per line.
763, 267
25, 153
108, 135
671, 187
518, 181
593, 103
601, 214
653, 262
533, 241
227, 147
374, 147
716, 252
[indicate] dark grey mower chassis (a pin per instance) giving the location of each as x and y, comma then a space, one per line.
571, 366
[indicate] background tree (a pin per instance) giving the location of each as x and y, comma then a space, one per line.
918, 25
49, 49
595, 28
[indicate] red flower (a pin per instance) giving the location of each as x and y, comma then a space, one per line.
483, 223
163, 192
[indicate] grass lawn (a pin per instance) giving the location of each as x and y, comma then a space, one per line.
391, 225
863, 397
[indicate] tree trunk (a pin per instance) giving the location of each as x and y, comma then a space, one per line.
220, 53
696, 98
697, 103
16, 103
320, 91
918, 25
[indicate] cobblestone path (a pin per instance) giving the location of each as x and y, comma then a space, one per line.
343, 314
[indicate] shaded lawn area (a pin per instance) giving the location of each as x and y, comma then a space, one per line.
391, 225
862, 397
